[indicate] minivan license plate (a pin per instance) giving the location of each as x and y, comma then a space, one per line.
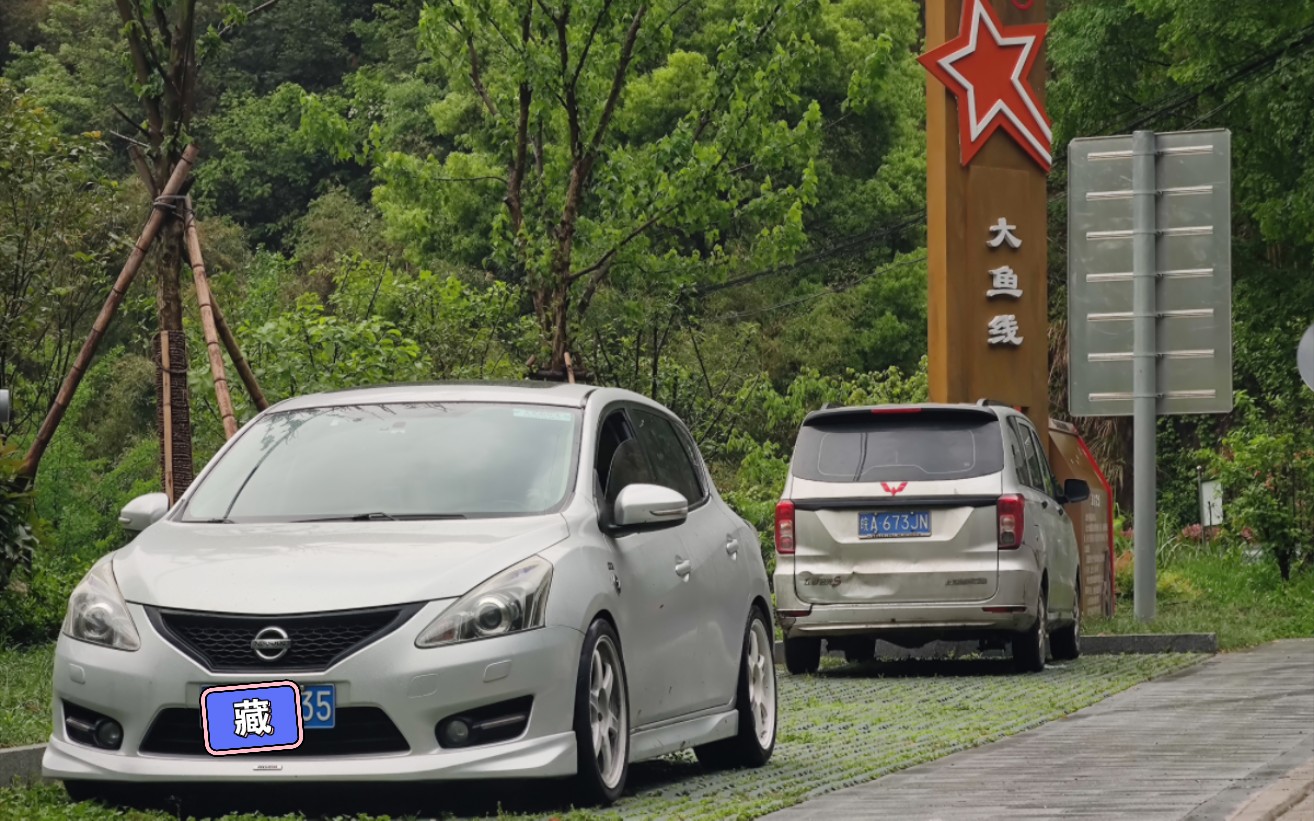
894, 525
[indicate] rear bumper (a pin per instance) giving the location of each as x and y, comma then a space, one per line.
1017, 590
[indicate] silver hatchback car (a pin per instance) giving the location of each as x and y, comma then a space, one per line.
449, 582
916, 523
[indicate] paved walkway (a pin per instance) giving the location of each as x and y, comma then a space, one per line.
1195, 745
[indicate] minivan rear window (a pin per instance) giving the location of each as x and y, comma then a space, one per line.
913, 447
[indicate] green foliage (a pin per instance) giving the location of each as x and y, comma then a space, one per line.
17, 526
1267, 472
55, 227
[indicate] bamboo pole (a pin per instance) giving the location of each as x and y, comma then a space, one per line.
203, 299
235, 354
159, 215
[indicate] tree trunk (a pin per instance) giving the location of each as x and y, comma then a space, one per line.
174, 409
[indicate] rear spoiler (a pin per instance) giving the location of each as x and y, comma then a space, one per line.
838, 414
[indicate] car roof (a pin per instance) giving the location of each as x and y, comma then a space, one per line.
993, 409
558, 394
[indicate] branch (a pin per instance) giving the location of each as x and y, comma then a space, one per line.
618, 81
231, 27
584, 55
138, 53
605, 260
475, 76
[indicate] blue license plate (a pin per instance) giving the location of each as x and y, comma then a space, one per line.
318, 706
894, 525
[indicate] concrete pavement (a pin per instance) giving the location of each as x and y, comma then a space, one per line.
1201, 745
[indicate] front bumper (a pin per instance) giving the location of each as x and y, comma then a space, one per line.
1018, 591
415, 688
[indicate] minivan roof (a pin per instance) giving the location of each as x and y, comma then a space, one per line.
853, 410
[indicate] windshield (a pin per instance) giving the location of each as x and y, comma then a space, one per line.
913, 447
394, 461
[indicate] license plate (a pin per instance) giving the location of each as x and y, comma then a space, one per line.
894, 525
318, 706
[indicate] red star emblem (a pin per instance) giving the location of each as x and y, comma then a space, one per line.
986, 67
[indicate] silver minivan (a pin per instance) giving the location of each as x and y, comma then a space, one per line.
916, 523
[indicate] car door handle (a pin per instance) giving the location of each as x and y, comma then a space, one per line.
683, 568
732, 547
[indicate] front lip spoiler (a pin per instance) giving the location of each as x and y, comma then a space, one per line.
895, 501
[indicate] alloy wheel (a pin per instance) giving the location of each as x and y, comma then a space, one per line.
761, 683
608, 713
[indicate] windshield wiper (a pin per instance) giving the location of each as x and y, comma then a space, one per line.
379, 517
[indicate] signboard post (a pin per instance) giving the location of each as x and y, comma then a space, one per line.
1149, 295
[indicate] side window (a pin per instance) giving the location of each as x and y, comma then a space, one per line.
670, 460
620, 460
1034, 476
1051, 485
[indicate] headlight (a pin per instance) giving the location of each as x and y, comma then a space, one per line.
97, 613
511, 601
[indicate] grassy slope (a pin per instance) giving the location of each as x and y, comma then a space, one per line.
1245, 602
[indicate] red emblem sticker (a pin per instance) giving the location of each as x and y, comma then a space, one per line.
894, 490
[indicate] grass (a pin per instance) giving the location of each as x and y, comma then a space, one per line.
25, 695
1243, 600
846, 725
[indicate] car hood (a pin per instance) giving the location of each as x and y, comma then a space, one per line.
306, 567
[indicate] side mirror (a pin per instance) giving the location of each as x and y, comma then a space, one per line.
649, 507
1074, 491
143, 512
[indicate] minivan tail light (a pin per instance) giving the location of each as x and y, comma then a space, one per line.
785, 528
1011, 521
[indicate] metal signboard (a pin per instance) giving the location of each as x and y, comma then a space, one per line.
1192, 293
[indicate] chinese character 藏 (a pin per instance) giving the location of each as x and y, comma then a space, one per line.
252, 717
1003, 330
1003, 232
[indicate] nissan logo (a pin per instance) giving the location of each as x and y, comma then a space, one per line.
271, 643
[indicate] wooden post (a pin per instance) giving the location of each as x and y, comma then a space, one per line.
207, 322
60, 406
235, 354
166, 417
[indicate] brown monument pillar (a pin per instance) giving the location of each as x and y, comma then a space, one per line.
988, 157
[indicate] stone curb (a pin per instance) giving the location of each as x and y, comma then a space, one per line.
21, 762
1150, 643
1275, 801
1090, 645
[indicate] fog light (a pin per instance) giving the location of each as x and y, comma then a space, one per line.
455, 733
109, 734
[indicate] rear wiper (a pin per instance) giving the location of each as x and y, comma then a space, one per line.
379, 516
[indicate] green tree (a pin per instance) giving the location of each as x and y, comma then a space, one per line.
549, 159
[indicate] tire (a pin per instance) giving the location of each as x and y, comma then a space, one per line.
859, 649
755, 702
802, 656
1065, 643
602, 717
1030, 646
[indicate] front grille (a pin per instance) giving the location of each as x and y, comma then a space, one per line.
356, 731
223, 642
